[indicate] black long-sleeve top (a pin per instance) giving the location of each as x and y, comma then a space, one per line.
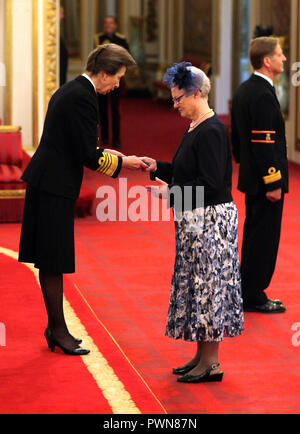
202, 159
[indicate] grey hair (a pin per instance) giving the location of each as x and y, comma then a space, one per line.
205, 81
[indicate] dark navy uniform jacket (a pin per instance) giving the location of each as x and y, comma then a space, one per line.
69, 143
258, 138
116, 38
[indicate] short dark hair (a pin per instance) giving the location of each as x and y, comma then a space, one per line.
260, 48
108, 58
111, 16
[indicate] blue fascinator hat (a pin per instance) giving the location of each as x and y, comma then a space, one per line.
183, 76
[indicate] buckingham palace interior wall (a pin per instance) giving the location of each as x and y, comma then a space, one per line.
160, 32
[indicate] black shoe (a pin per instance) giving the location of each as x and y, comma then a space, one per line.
276, 302
48, 333
183, 369
52, 343
204, 377
271, 306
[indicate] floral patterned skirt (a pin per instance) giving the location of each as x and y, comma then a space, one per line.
205, 302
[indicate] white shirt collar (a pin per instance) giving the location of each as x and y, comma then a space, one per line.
265, 77
89, 78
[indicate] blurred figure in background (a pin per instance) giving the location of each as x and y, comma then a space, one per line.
110, 35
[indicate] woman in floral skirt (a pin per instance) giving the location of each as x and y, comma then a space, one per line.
205, 302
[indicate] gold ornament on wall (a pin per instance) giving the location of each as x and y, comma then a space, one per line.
151, 22
50, 49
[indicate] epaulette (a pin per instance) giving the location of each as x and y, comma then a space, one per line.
97, 37
119, 35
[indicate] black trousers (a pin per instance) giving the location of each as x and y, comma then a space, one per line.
114, 97
262, 230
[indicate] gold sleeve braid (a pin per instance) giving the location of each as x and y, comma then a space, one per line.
108, 164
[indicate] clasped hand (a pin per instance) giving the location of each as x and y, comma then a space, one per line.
160, 191
146, 164
132, 163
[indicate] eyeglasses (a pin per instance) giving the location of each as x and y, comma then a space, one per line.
178, 99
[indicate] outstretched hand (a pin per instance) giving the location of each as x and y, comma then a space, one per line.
133, 163
114, 152
160, 191
152, 165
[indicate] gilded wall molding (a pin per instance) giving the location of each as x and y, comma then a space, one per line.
51, 37
35, 72
121, 15
151, 21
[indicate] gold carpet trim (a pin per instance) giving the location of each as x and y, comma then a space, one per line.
121, 350
112, 388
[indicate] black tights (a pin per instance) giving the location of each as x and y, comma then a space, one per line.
52, 288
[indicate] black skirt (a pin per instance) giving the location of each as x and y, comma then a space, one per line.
47, 236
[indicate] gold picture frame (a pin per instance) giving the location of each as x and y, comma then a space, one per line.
79, 30
50, 49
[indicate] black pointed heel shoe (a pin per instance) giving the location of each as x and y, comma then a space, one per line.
183, 369
204, 377
52, 343
48, 333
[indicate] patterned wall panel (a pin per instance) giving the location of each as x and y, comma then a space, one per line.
198, 28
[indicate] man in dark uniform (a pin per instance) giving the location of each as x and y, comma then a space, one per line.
110, 35
259, 146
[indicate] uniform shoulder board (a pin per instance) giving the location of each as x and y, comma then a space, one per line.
97, 37
120, 35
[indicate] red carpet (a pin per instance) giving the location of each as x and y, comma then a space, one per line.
60, 377
124, 272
